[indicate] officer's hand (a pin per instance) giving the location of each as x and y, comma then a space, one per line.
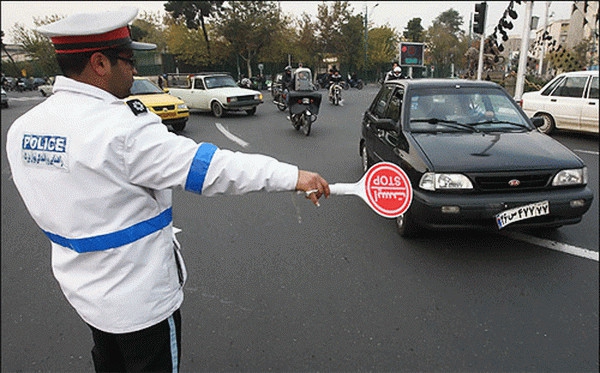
313, 185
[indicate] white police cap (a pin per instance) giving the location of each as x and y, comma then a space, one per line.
87, 32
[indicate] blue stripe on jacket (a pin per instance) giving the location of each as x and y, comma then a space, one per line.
115, 239
199, 167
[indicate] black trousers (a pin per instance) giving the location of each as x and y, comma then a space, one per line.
154, 349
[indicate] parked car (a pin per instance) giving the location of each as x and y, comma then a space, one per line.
172, 110
4, 98
473, 158
569, 102
46, 89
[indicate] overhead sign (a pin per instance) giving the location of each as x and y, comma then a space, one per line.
411, 54
385, 187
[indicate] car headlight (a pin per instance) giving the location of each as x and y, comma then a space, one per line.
577, 176
434, 181
182, 107
258, 96
232, 99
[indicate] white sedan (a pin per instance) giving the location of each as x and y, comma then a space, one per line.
569, 102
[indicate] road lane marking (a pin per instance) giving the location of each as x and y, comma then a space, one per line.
231, 136
585, 151
553, 245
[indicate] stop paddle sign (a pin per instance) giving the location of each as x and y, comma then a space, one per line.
385, 187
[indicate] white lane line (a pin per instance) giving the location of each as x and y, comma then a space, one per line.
585, 151
553, 245
231, 136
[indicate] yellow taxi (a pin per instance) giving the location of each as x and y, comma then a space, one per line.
172, 110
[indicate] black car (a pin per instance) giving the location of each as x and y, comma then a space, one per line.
473, 157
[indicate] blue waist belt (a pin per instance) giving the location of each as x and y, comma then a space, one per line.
115, 239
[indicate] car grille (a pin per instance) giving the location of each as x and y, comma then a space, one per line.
507, 182
161, 108
246, 98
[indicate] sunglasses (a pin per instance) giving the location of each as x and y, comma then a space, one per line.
130, 61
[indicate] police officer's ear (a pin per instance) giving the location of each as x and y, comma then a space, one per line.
99, 63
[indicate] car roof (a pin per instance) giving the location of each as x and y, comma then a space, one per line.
441, 83
582, 72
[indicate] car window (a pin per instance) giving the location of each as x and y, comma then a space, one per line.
379, 106
395, 106
594, 88
552, 86
571, 86
144, 87
219, 82
199, 84
477, 109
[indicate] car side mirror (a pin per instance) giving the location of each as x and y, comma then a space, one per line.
537, 121
385, 124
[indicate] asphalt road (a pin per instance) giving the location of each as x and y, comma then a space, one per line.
277, 284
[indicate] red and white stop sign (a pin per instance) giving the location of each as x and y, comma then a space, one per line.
387, 189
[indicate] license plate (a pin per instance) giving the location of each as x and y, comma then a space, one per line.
167, 115
306, 100
521, 213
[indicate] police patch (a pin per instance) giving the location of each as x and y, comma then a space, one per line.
136, 106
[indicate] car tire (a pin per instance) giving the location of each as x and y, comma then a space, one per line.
216, 109
251, 111
366, 160
406, 226
178, 127
549, 126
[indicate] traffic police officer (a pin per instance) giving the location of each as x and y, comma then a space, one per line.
96, 173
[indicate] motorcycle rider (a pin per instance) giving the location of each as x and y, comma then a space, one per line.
395, 73
335, 78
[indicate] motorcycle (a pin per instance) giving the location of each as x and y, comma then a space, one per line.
279, 94
335, 94
355, 83
304, 102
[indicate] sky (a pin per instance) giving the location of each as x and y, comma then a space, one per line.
395, 14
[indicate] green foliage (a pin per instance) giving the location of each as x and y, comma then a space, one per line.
414, 32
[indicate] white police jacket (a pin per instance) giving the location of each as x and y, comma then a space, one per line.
96, 175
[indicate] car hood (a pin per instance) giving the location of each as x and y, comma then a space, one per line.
494, 152
235, 91
157, 99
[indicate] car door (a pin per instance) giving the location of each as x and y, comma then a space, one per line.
589, 107
387, 106
565, 102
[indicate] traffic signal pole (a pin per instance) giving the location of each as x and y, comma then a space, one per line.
522, 70
479, 28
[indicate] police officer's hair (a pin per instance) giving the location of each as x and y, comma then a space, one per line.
74, 63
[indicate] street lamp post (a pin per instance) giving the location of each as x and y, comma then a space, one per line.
367, 36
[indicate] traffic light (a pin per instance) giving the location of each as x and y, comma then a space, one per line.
479, 19
411, 54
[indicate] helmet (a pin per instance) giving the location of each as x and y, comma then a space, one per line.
288, 68
397, 70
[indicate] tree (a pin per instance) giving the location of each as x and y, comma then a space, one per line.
414, 32
38, 46
248, 27
446, 42
195, 14
383, 47
329, 26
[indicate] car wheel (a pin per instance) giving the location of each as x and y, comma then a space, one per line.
366, 161
178, 127
251, 111
406, 226
216, 109
548, 125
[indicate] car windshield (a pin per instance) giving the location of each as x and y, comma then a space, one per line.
464, 109
144, 87
219, 82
